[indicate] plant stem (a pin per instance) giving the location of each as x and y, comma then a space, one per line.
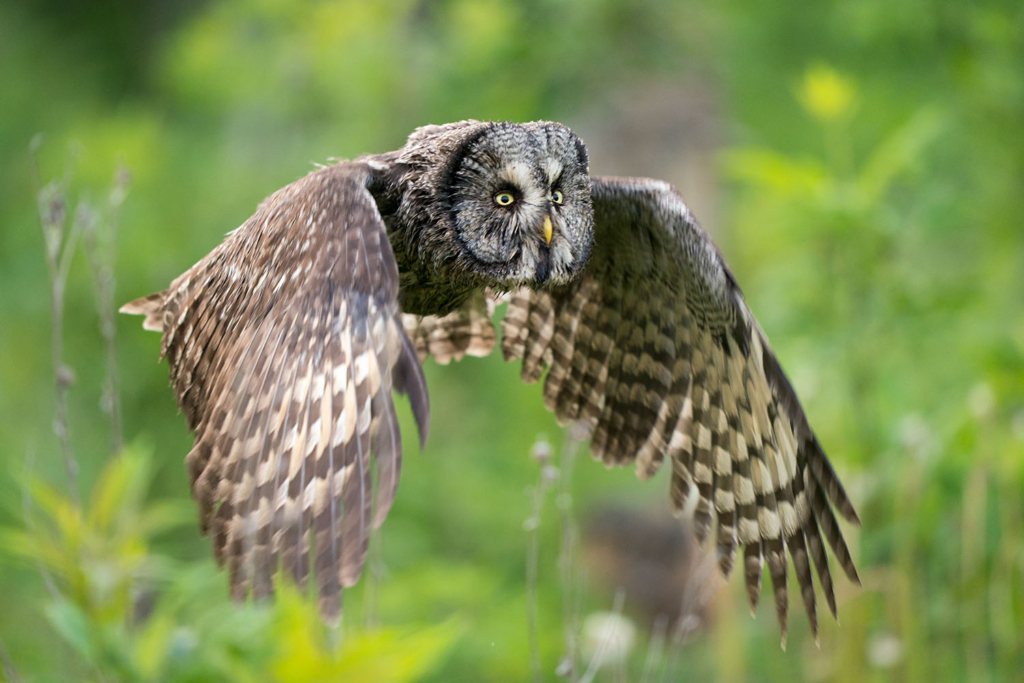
100, 245
10, 673
371, 599
655, 648
548, 476
59, 246
567, 553
596, 661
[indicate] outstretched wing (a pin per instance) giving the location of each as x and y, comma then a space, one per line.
284, 344
655, 350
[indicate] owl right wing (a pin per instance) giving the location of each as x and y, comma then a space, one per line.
654, 349
284, 345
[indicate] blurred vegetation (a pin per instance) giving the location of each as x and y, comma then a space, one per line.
860, 164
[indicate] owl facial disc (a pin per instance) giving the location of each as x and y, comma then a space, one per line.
520, 204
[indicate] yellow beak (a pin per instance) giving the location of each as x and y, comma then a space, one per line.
547, 229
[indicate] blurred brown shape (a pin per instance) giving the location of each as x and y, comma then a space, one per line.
660, 129
655, 559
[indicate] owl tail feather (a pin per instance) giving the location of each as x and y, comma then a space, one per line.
152, 307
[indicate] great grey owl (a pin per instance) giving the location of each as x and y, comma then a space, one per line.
286, 341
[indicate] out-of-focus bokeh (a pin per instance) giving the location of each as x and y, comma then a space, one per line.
860, 164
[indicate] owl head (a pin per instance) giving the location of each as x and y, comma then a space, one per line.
517, 198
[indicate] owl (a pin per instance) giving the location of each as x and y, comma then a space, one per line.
287, 342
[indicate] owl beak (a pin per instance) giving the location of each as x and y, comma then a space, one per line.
548, 229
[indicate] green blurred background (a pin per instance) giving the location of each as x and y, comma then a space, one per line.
860, 164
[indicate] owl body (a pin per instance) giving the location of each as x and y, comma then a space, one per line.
287, 341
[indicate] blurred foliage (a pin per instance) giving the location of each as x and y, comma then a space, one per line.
132, 615
101, 553
868, 193
105, 581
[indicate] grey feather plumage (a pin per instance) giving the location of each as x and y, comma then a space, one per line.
286, 342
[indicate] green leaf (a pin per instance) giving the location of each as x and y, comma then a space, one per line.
153, 645
119, 489
398, 656
774, 171
304, 655
73, 625
58, 508
18, 543
897, 153
165, 515
33, 547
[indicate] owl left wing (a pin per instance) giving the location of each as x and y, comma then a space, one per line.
656, 351
284, 345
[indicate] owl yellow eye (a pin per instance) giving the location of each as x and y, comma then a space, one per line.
556, 196
504, 198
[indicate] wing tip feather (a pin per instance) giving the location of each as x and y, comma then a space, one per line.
410, 381
150, 306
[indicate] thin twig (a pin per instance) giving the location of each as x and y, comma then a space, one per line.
548, 475
567, 553
655, 648
371, 596
59, 246
688, 622
100, 246
702, 584
596, 660
675, 647
10, 673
